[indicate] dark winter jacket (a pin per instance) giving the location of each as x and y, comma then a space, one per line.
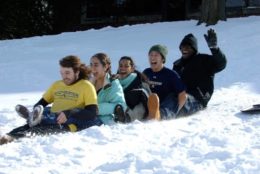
197, 73
134, 90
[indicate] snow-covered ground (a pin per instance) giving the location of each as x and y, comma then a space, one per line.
219, 139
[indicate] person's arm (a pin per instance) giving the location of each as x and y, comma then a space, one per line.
219, 59
87, 114
42, 102
47, 96
90, 112
181, 99
114, 95
177, 66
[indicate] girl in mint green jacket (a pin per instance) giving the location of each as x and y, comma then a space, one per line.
109, 91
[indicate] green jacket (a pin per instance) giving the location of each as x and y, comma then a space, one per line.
109, 96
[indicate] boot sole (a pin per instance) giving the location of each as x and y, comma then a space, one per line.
18, 108
34, 121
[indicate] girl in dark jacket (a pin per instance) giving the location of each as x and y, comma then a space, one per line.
136, 90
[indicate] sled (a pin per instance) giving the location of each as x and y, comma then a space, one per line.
255, 109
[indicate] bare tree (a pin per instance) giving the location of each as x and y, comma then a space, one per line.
212, 11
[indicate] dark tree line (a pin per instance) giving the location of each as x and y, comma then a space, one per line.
25, 18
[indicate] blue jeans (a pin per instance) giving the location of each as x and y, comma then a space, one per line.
169, 107
191, 106
49, 117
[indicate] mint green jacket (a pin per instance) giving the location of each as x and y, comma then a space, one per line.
109, 96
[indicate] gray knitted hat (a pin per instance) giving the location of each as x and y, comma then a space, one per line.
161, 49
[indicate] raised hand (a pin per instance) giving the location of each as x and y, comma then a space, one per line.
211, 38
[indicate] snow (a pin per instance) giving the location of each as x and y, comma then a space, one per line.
219, 139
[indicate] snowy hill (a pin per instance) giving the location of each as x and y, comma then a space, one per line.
217, 140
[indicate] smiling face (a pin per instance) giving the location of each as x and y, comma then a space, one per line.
156, 61
187, 51
68, 75
125, 68
98, 70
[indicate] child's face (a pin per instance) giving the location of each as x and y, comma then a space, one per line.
98, 70
156, 61
187, 51
125, 68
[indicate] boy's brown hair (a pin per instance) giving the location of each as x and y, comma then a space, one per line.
75, 63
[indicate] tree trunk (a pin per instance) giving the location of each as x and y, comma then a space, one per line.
212, 11
222, 10
247, 3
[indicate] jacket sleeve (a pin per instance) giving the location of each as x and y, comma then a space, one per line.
177, 66
88, 113
41, 102
219, 60
110, 97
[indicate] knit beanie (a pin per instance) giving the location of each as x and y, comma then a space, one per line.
160, 49
190, 40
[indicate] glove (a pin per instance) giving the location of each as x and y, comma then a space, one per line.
113, 77
211, 38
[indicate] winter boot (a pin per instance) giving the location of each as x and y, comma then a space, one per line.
127, 118
119, 114
153, 107
36, 116
22, 111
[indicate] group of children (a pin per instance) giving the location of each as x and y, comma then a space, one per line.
156, 93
